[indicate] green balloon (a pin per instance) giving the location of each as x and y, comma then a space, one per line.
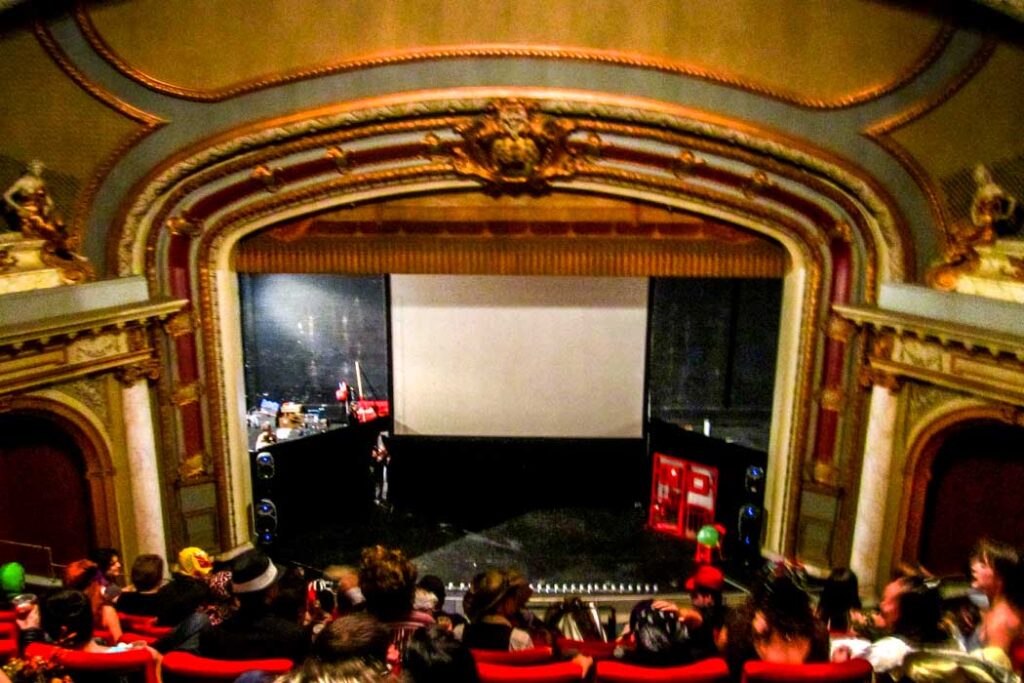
707, 535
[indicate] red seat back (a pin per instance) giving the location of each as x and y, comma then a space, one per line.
707, 671
534, 655
133, 622
8, 615
598, 649
139, 662
182, 667
556, 672
853, 671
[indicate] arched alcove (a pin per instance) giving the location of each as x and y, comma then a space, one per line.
973, 491
968, 455
58, 480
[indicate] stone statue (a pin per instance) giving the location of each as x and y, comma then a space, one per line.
32, 204
993, 210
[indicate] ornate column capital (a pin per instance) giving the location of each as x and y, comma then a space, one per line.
146, 369
869, 376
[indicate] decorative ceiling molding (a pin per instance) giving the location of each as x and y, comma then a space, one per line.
149, 123
223, 166
512, 51
881, 134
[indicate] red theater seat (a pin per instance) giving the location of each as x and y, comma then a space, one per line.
535, 655
557, 672
8, 640
133, 622
707, 671
8, 615
134, 665
598, 649
853, 671
182, 667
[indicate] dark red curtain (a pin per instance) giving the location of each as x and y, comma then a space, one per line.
45, 497
975, 491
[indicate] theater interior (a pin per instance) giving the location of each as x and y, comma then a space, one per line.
546, 247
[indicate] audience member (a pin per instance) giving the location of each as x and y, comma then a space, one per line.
776, 624
839, 597
254, 631
142, 595
352, 671
188, 588
85, 576
493, 598
67, 621
997, 572
111, 569
705, 588
220, 605
388, 583
912, 609
349, 595
435, 655
442, 617
354, 636
661, 637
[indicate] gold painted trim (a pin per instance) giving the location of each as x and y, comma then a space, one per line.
149, 122
880, 133
517, 256
513, 51
789, 158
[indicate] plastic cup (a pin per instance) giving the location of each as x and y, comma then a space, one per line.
23, 604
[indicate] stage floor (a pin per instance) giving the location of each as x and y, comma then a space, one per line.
563, 546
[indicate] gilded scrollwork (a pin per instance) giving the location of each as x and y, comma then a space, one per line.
91, 348
840, 329
148, 369
183, 225
180, 323
869, 376
194, 468
268, 176
185, 394
514, 148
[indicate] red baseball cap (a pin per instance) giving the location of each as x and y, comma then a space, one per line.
707, 577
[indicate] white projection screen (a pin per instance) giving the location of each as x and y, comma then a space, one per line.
518, 356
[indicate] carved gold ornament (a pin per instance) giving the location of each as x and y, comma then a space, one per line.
840, 329
193, 467
758, 183
183, 225
342, 160
267, 176
514, 148
7, 260
147, 369
179, 324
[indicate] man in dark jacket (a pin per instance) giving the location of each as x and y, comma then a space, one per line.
254, 631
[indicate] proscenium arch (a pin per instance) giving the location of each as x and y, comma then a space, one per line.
190, 212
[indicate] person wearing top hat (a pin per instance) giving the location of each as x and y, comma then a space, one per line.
254, 631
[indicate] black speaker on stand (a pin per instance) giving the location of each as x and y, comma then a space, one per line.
750, 521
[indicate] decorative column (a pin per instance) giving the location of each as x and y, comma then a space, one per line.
832, 401
872, 500
143, 472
